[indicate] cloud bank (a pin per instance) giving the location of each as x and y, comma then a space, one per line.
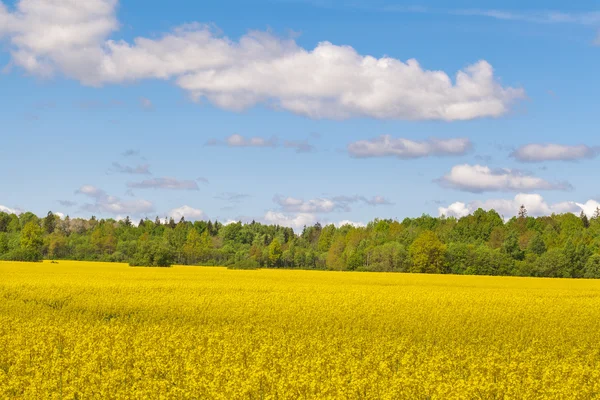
535, 152
326, 205
72, 38
387, 146
478, 178
105, 203
187, 212
535, 204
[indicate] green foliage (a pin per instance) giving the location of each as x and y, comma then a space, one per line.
152, 253
479, 244
275, 254
31, 237
510, 246
427, 254
537, 245
592, 267
22, 254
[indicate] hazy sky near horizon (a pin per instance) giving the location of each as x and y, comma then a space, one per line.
293, 112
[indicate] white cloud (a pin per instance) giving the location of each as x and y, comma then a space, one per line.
386, 145
189, 213
326, 205
296, 221
352, 223
291, 204
241, 141
457, 209
477, 178
553, 152
164, 183
589, 207
7, 209
91, 191
534, 203
330, 81
105, 203
63, 35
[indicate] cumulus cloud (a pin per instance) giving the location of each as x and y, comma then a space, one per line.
386, 146
589, 207
534, 203
105, 203
553, 152
164, 183
187, 212
296, 221
9, 210
71, 37
477, 178
143, 169
291, 204
351, 223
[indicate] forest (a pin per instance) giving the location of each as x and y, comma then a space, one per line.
560, 245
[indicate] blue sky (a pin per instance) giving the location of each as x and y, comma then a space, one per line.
294, 112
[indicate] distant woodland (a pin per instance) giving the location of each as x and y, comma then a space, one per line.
483, 243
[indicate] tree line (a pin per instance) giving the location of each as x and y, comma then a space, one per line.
560, 245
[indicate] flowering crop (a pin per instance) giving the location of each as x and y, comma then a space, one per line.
78, 330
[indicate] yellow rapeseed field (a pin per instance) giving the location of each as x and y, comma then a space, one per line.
78, 330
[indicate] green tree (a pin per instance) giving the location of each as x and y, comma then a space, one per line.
551, 264
49, 223
335, 254
427, 254
511, 247
275, 253
536, 245
192, 250
57, 246
31, 237
592, 267
584, 219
